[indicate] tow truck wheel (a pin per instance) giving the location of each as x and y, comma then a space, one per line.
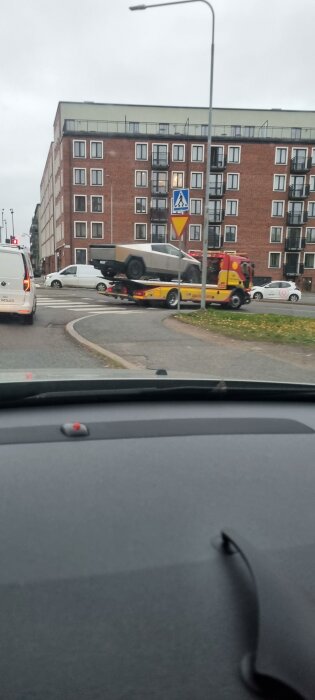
171, 300
235, 301
135, 269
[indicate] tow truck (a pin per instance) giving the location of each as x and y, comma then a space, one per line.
229, 280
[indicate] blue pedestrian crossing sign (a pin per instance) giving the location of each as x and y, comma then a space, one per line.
180, 201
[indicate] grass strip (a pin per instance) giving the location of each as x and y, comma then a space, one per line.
275, 328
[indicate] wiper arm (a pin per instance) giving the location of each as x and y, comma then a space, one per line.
285, 649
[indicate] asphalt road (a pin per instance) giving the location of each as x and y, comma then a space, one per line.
143, 337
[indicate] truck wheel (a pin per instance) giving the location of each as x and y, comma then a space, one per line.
171, 300
235, 301
192, 275
135, 269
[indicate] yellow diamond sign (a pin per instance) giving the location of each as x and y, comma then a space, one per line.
179, 222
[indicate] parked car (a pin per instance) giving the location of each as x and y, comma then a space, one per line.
145, 259
17, 287
278, 290
77, 276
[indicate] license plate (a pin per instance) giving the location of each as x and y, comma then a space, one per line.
7, 300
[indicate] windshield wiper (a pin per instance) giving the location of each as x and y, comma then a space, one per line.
285, 649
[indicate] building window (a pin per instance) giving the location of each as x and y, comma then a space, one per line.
79, 176
164, 128
277, 208
80, 229
310, 235
311, 209
159, 154
234, 154
159, 182
141, 205
97, 204
96, 177
133, 127
97, 229
195, 232
274, 260
197, 153
230, 234
80, 256
231, 207
233, 181
141, 151
249, 131
313, 156
79, 149
279, 183
214, 237
177, 179
141, 178
79, 203
96, 149
140, 232
178, 152
281, 156
158, 233
196, 180
309, 260
296, 132
276, 234
196, 206
312, 183
236, 130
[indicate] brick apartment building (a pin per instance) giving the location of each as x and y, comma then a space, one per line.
111, 169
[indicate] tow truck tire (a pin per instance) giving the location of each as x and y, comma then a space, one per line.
171, 300
135, 269
192, 275
235, 301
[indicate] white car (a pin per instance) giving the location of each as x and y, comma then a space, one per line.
77, 276
17, 288
279, 290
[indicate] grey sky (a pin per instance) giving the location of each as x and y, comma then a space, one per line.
71, 50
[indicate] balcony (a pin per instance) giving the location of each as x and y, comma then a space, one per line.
216, 217
296, 219
215, 241
160, 162
217, 190
159, 190
299, 192
157, 214
294, 243
300, 165
217, 164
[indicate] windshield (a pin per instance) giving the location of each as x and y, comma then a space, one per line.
165, 167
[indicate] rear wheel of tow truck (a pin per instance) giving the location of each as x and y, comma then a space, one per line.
171, 300
235, 301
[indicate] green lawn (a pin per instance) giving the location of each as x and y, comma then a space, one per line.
269, 327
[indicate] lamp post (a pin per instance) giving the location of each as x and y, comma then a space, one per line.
208, 158
12, 212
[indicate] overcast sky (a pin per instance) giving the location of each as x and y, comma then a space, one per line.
71, 50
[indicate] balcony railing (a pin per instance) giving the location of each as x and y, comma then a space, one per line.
293, 269
300, 165
216, 217
160, 190
160, 162
157, 214
217, 190
218, 163
294, 243
215, 241
294, 219
299, 192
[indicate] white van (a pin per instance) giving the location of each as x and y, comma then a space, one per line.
17, 288
77, 276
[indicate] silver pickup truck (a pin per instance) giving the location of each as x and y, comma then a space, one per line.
144, 260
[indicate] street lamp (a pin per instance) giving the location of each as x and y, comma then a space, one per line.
12, 212
208, 158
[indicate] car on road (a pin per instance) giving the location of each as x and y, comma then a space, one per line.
281, 290
77, 276
17, 287
145, 259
